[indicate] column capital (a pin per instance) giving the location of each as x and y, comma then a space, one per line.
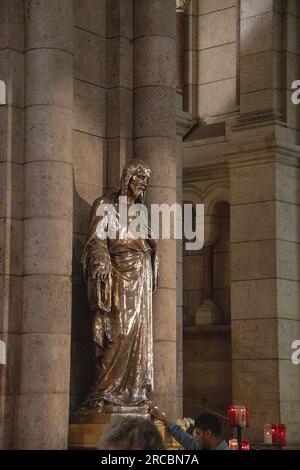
182, 6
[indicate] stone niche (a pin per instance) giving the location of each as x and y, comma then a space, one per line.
207, 371
206, 273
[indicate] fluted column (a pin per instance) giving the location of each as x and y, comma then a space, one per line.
43, 404
155, 142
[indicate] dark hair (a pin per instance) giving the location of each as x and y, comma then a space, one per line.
131, 433
209, 422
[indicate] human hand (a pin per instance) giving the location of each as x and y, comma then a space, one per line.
157, 414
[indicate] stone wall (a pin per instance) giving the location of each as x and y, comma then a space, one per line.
207, 383
212, 61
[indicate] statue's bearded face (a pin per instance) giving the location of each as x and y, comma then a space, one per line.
138, 184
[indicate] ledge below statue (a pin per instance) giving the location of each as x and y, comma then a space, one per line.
86, 430
104, 415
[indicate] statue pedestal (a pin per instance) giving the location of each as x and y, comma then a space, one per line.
85, 436
208, 314
86, 429
105, 414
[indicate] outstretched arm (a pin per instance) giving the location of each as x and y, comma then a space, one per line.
185, 439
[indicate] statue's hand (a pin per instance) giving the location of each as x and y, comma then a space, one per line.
104, 272
104, 277
101, 270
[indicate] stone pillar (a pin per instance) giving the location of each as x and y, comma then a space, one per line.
43, 402
155, 142
264, 185
181, 8
264, 169
290, 60
11, 195
191, 46
261, 46
119, 83
265, 286
184, 122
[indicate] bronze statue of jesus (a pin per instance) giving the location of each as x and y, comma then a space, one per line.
121, 275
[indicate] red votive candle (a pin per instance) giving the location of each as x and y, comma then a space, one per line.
245, 444
232, 416
282, 434
274, 434
247, 416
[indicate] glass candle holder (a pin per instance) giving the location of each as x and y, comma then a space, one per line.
238, 415
274, 434
232, 416
268, 434
245, 445
281, 434
233, 444
242, 416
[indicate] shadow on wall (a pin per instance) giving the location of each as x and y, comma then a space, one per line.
82, 350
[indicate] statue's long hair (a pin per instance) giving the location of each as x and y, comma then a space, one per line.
132, 168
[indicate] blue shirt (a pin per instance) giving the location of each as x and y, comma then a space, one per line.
189, 442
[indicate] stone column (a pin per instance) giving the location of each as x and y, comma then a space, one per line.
184, 122
264, 185
119, 83
11, 182
265, 286
43, 402
261, 60
155, 142
181, 8
264, 169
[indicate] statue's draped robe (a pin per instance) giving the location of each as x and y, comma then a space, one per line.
122, 309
